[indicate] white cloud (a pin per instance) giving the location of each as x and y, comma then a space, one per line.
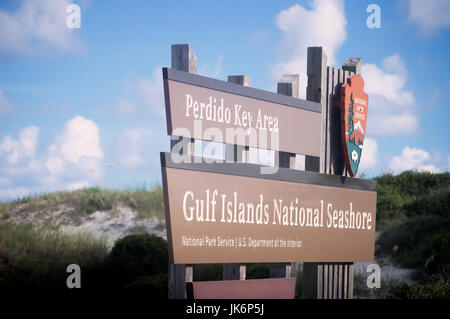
388, 82
27, 167
55, 165
73, 160
76, 153
430, 15
391, 106
24, 147
412, 158
80, 138
28, 138
369, 156
34, 25
323, 25
392, 124
132, 144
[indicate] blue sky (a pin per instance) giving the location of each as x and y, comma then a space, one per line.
80, 107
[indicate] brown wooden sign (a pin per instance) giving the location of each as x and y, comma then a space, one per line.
212, 110
229, 213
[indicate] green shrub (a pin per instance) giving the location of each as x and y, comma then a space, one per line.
137, 256
439, 289
418, 239
413, 213
389, 204
410, 194
433, 203
413, 183
440, 245
23, 199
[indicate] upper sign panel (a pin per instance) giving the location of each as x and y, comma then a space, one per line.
213, 110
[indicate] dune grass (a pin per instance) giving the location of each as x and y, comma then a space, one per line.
34, 260
4, 211
30, 254
147, 202
22, 243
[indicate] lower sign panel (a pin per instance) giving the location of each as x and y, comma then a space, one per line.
274, 288
221, 218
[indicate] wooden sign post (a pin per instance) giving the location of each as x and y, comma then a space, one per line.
183, 59
328, 280
238, 154
288, 85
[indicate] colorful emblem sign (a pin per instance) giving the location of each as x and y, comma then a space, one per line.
354, 103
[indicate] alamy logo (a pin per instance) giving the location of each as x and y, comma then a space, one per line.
74, 279
374, 19
374, 279
74, 18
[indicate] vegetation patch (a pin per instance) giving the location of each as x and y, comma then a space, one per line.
436, 289
148, 203
413, 212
